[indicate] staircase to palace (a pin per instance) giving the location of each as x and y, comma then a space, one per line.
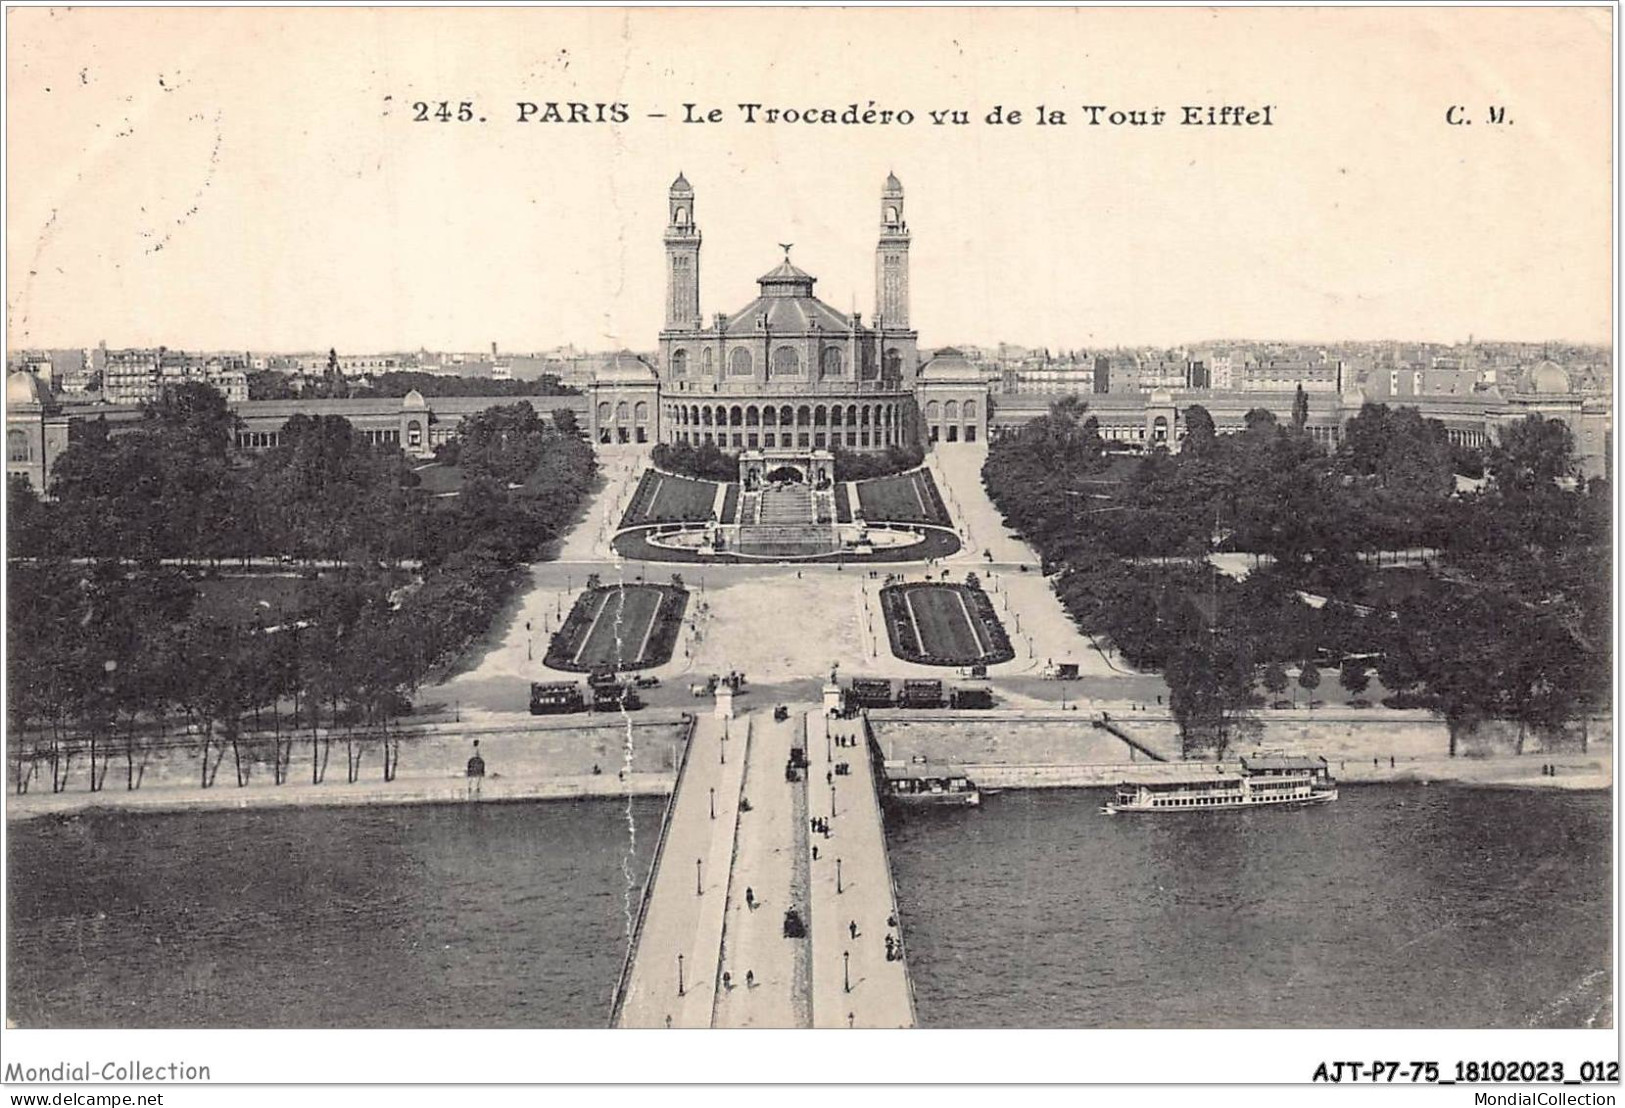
784, 522
786, 504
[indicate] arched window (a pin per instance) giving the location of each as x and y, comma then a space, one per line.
17, 447
739, 363
736, 416
894, 365
820, 416
770, 417
603, 412
891, 213
680, 216
786, 362
753, 416
414, 433
833, 366
804, 416
933, 410
705, 361
950, 410
970, 409
641, 412
679, 363
621, 411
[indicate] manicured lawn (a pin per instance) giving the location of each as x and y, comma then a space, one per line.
945, 625
620, 627
664, 498
907, 498
437, 480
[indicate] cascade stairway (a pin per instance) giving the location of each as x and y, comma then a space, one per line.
785, 523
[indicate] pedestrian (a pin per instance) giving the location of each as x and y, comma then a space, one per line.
727, 980
750, 898
1374, 763
475, 771
815, 852
852, 928
891, 920
1390, 761
750, 979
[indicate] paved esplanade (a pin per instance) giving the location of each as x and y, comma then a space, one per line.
756, 863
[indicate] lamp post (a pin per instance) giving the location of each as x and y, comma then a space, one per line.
698, 889
839, 888
713, 804
846, 970
832, 802
680, 975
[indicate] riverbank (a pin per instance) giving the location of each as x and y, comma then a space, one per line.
1052, 748
491, 790
524, 759
1025, 749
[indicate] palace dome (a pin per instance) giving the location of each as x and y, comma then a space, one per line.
1549, 377
786, 305
414, 399
23, 389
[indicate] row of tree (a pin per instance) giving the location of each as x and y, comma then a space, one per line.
1511, 622
114, 658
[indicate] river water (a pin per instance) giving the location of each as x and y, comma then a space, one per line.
1397, 906
484, 915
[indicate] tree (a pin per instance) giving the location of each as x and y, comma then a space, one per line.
269, 384
1531, 454
1300, 408
1259, 421
1199, 431
1353, 677
1309, 680
1276, 679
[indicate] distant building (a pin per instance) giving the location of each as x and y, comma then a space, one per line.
1274, 375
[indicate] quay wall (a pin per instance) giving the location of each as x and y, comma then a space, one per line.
1056, 748
551, 757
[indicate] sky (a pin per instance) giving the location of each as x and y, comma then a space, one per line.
242, 179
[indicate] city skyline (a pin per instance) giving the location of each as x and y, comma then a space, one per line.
179, 204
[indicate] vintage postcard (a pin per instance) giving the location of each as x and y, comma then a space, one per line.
1086, 521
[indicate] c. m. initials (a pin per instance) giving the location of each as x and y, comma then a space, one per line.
1457, 116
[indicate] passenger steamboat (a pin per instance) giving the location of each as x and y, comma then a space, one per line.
1262, 781
916, 786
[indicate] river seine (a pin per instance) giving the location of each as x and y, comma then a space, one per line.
1398, 906
487, 915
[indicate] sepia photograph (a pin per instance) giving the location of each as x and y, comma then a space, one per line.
1117, 536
